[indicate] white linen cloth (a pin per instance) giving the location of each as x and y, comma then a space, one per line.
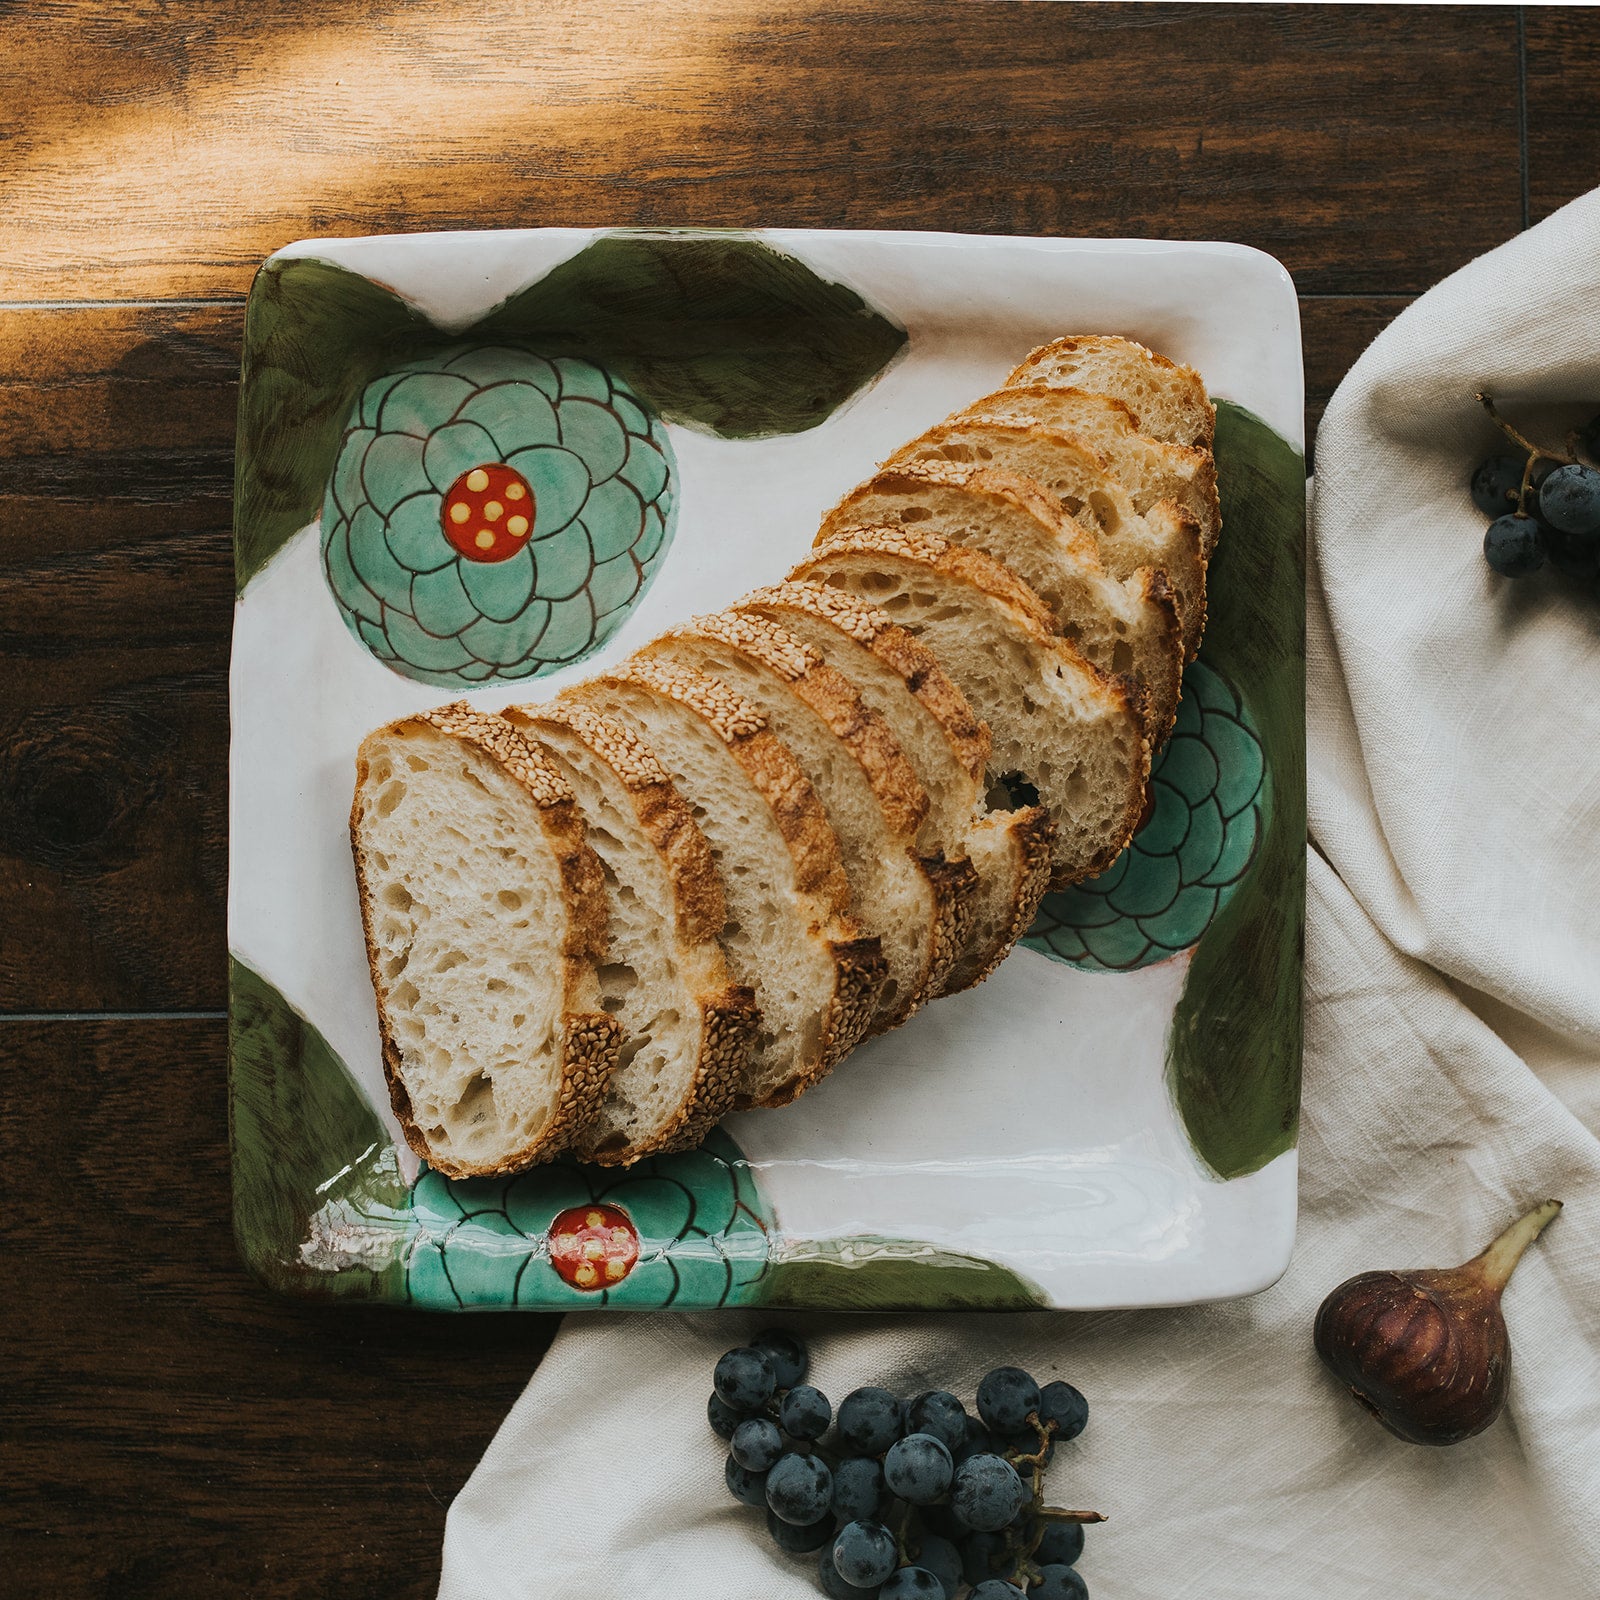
1452, 1077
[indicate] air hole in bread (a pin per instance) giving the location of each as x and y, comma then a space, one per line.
417, 764
397, 897
510, 899
1122, 656
476, 1103
389, 798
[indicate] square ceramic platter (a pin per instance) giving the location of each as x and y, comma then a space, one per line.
1110, 1120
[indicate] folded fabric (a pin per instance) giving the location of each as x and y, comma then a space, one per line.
1452, 1077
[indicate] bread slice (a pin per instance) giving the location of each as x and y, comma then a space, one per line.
788, 933
687, 1028
1059, 727
484, 910
871, 794
1151, 470
1082, 480
1127, 627
902, 681
1168, 401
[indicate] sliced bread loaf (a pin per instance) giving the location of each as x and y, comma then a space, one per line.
484, 909
1060, 728
1079, 477
1008, 851
687, 1028
788, 933
1151, 470
873, 798
1126, 627
1168, 400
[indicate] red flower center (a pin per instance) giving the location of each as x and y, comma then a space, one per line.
593, 1247
488, 513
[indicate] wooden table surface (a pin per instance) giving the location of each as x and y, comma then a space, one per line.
172, 1428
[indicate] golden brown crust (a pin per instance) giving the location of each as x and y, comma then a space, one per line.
956, 883
1032, 837
876, 631
591, 1040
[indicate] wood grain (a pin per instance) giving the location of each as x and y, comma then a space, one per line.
172, 1428
149, 157
1334, 331
1563, 76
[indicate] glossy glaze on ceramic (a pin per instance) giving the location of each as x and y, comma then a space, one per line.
1109, 1120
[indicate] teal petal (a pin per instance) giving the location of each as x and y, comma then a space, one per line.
345, 486
1203, 848
651, 1284
428, 1282
1120, 945
416, 538
479, 1194
653, 537
1111, 877
1169, 821
1238, 849
590, 429
372, 398
560, 484
581, 379
633, 415
1188, 917
1190, 768
477, 671
515, 416
562, 563
614, 585
373, 561
659, 1208
440, 602
709, 1180
645, 469
434, 1205
456, 448
614, 515
705, 1277
497, 364
1149, 888
571, 631
1074, 909
537, 1198
375, 639
500, 589
484, 1256
391, 470
348, 589
423, 401
507, 644
420, 649
1209, 690
541, 1285
1239, 758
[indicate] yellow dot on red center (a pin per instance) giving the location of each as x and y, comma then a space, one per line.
516, 526
494, 510
477, 480
460, 511
515, 491
485, 539
476, 501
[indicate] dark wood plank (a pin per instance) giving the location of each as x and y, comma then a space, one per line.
158, 153
172, 1428
1334, 332
1563, 44
116, 438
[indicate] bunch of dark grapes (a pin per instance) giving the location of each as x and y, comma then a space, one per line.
905, 1498
1545, 505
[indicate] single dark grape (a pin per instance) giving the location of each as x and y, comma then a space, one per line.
757, 1443
983, 1555
1570, 500
1061, 1404
722, 1417
938, 1412
1058, 1583
1005, 1397
1513, 547
978, 1442
918, 1469
747, 1487
869, 1421
786, 1355
865, 1553
987, 1493
800, 1488
1062, 1544
799, 1541
835, 1587
997, 1589
940, 1556
744, 1380
1495, 483
805, 1413
858, 1490
912, 1583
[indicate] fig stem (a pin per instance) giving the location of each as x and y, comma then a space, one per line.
1499, 1261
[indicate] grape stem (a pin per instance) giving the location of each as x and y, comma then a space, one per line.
1061, 1514
1535, 452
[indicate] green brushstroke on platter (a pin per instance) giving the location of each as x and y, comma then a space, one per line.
715, 331
872, 1274
319, 1206
1234, 1052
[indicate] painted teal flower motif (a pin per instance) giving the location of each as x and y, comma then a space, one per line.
493, 515
1160, 895
688, 1230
